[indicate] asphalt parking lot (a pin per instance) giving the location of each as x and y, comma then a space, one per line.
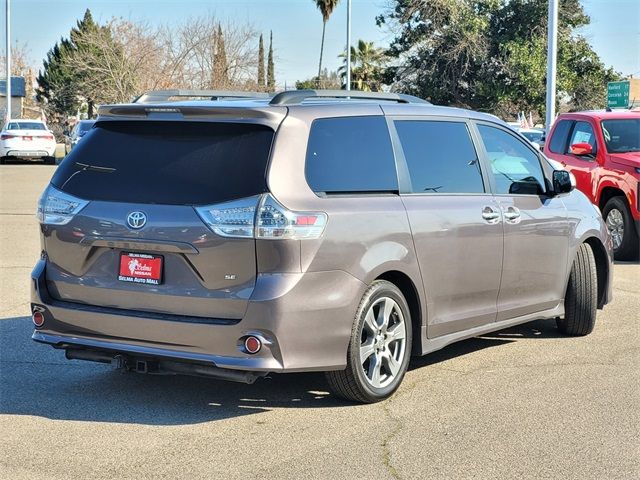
520, 403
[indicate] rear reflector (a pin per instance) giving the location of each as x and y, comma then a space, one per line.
252, 344
38, 319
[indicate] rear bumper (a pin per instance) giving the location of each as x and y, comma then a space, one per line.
27, 152
300, 332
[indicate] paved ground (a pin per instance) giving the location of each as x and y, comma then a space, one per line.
521, 403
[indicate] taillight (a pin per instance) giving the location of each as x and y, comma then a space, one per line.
274, 221
7, 136
58, 208
262, 217
47, 137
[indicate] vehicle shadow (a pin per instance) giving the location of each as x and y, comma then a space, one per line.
38, 380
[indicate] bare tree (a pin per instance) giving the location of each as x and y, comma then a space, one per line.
213, 55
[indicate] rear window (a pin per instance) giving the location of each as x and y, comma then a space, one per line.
350, 155
179, 163
559, 136
26, 126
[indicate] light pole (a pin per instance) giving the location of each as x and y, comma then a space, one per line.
552, 51
8, 52
348, 44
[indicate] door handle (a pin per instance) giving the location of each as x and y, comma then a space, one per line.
490, 214
512, 214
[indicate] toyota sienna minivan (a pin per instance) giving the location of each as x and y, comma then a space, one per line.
327, 231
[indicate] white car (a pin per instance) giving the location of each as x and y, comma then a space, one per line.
535, 136
28, 140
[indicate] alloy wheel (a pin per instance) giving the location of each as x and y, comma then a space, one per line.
383, 342
615, 224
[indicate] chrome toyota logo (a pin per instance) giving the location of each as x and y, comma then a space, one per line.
136, 219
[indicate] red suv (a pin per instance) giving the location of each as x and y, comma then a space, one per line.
602, 150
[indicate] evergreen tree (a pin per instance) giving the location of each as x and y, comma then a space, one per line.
261, 64
83, 27
271, 78
220, 65
58, 84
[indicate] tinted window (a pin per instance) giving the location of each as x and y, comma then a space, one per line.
583, 133
167, 162
559, 136
84, 127
351, 154
26, 126
440, 157
622, 136
515, 168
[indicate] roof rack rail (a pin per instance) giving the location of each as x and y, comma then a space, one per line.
164, 95
295, 97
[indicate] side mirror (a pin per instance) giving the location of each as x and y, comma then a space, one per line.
581, 149
562, 182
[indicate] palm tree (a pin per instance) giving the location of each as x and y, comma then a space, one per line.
326, 8
368, 62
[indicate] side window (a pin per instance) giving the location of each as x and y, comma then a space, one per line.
440, 156
559, 136
583, 133
515, 168
350, 154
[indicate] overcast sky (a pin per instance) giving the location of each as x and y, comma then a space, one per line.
297, 26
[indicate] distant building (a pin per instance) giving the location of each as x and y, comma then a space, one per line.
18, 94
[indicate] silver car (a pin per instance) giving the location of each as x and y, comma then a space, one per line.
307, 231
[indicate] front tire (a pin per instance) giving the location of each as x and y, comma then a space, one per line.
581, 299
379, 349
621, 228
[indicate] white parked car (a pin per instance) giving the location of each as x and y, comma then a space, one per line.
535, 136
27, 140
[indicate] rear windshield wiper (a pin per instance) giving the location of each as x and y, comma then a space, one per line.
94, 168
85, 167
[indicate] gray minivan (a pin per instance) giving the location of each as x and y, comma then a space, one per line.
306, 231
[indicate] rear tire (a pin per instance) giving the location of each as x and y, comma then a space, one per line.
49, 160
3, 160
581, 299
380, 347
622, 229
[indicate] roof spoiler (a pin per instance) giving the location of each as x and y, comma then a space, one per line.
159, 96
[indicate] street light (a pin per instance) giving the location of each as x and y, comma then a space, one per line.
348, 44
8, 59
552, 50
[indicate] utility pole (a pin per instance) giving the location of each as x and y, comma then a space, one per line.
8, 52
552, 51
348, 44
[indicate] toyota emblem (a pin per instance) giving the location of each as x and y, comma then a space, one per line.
136, 219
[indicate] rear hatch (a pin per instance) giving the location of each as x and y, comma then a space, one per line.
139, 243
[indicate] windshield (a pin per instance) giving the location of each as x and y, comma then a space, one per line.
622, 135
84, 127
26, 126
532, 136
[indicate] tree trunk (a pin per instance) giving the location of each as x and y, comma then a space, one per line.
324, 26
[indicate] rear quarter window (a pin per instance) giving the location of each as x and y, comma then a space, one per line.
178, 163
350, 155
